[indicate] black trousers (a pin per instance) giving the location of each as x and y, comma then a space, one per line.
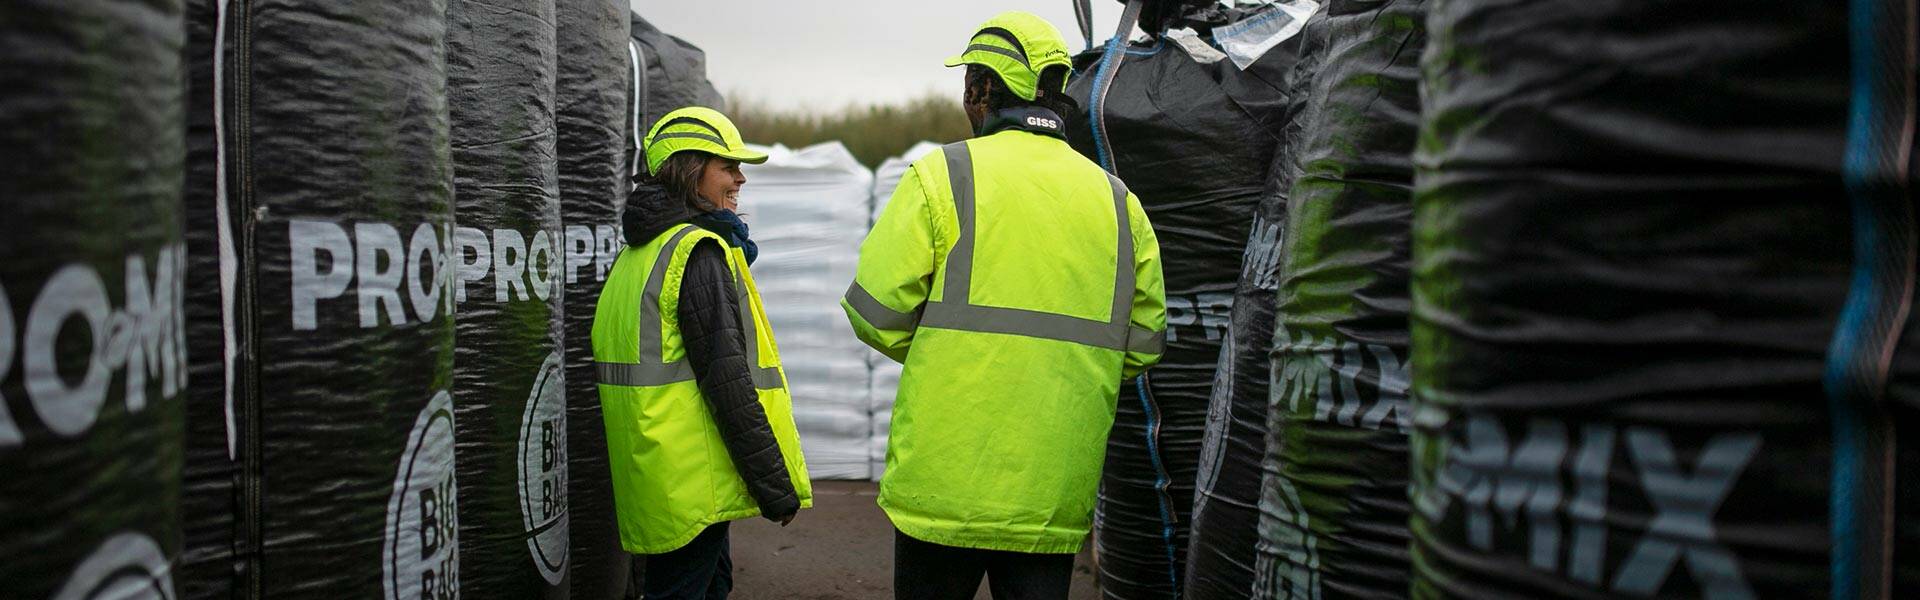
700, 570
929, 571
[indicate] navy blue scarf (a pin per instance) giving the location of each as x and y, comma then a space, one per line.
728, 225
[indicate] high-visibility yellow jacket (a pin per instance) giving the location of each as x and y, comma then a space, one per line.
672, 475
1019, 284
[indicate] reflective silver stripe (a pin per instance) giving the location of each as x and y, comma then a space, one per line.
877, 314
1030, 323
765, 378
959, 277
1007, 52
955, 310
648, 375
1149, 342
1123, 261
650, 322
690, 134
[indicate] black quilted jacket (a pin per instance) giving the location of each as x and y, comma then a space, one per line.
716, 347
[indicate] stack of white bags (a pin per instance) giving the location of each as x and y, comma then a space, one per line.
809, 209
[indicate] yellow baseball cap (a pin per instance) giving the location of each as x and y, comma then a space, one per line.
697, 128
1018, 45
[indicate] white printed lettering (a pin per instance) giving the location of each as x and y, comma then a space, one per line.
9, 432
381, 261
579, 241
75, 290
307, 240
425, 254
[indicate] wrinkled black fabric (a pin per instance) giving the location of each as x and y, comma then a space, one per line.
1226, 514
338, 134
1627, 253
511, 413
716, 349
1334, 491
592, 107
675, 76
209, 503
1198, 161
651, 212
91, 442
716, 340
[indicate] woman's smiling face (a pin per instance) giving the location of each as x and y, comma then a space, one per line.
720, 183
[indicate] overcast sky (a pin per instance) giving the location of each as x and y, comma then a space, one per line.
828, 53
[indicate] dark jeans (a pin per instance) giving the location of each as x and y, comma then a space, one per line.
700, 570
929, 571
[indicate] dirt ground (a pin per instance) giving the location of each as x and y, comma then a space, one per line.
841, 549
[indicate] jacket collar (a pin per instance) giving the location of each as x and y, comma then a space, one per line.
1032, 119
650, 212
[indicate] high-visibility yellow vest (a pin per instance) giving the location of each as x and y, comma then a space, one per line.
672, 476
1019, 284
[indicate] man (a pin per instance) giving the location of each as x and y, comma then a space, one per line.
1019, 284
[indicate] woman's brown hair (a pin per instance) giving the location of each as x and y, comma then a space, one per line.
680, 176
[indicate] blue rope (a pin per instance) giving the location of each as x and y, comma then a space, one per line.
1098, 103
1847, 400
1161, 479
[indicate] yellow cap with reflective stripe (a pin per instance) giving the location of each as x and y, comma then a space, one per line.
1018, 45
697, 128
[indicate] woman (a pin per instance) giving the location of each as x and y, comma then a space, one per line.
699, 422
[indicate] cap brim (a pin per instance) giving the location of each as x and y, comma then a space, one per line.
746, 156
957, 60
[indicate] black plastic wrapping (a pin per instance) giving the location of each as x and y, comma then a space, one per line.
669, 74
508, 379
1226, 514
593, 105
92, 348
338, 165
675, 76
1198, 162
1632, 263
1334, 500
209, 503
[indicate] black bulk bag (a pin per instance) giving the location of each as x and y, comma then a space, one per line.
1226, 513
509, 385
1158, 114
593, 108
1334, 500
673, 75
1633, 264
92, 345
338, 178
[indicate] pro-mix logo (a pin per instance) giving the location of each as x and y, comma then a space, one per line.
521, 268
543, 470
144, 336
1208, 313
593, 247
1352, 384
1538, 491
1288, 567
421, 557
387, 273
128, 566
